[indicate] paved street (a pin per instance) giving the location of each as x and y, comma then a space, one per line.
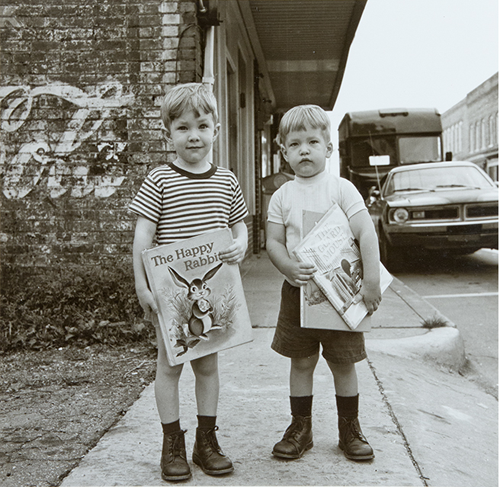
465, 289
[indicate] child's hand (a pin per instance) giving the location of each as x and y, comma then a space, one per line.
300, 272
147, 302
372, 296
233, 254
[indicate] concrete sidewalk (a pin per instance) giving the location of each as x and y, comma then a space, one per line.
428, 425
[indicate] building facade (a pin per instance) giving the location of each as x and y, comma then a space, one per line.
470, 128
81, 85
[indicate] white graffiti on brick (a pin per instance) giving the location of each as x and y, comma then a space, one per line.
25, 170
7, 17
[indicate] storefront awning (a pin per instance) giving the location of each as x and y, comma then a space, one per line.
301, 47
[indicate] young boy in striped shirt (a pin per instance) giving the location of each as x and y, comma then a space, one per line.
179, 200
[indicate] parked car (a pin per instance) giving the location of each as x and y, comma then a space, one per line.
449, 206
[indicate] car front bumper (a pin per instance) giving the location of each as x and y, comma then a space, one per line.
456, 235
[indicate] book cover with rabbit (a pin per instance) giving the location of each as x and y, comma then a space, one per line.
202, 306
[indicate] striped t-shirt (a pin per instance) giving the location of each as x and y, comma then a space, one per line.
184, 204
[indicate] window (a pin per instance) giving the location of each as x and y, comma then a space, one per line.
419, 149
437, 179
478, 137
485, 134
362, 149
493, 129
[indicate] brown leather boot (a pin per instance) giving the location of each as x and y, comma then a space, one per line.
173, 462
208, 455
297, 439
351, 440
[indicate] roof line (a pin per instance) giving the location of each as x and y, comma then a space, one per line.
357, 11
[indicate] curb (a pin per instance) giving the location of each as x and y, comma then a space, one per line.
442, 345
422, 308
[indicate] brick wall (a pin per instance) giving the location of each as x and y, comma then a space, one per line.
80, 89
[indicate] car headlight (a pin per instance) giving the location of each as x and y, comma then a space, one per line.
400, 215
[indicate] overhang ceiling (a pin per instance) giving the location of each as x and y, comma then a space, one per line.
302, 47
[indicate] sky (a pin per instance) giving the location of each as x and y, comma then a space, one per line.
417, 53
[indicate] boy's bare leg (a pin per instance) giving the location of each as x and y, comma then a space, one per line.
351, 439
301, 375
345, 379
207, 453
206, 371
166, 384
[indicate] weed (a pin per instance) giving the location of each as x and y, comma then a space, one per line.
434, 322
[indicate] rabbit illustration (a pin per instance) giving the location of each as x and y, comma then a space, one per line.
201, 320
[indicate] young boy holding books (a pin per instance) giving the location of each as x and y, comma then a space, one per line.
304, 137
176, 201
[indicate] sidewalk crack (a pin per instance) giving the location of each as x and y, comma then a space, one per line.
398, 425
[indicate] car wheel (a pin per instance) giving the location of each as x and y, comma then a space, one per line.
389, 255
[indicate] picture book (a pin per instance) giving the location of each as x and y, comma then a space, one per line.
202, 307
329, 244
315, 309
317, 312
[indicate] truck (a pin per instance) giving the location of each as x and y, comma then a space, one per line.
373, 142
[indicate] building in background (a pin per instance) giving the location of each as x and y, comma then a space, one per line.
470, 128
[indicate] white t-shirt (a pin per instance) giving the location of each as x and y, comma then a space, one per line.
313, 194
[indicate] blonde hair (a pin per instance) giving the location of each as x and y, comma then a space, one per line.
301, 118
190, 96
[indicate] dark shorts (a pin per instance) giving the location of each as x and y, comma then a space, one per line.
290, 340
